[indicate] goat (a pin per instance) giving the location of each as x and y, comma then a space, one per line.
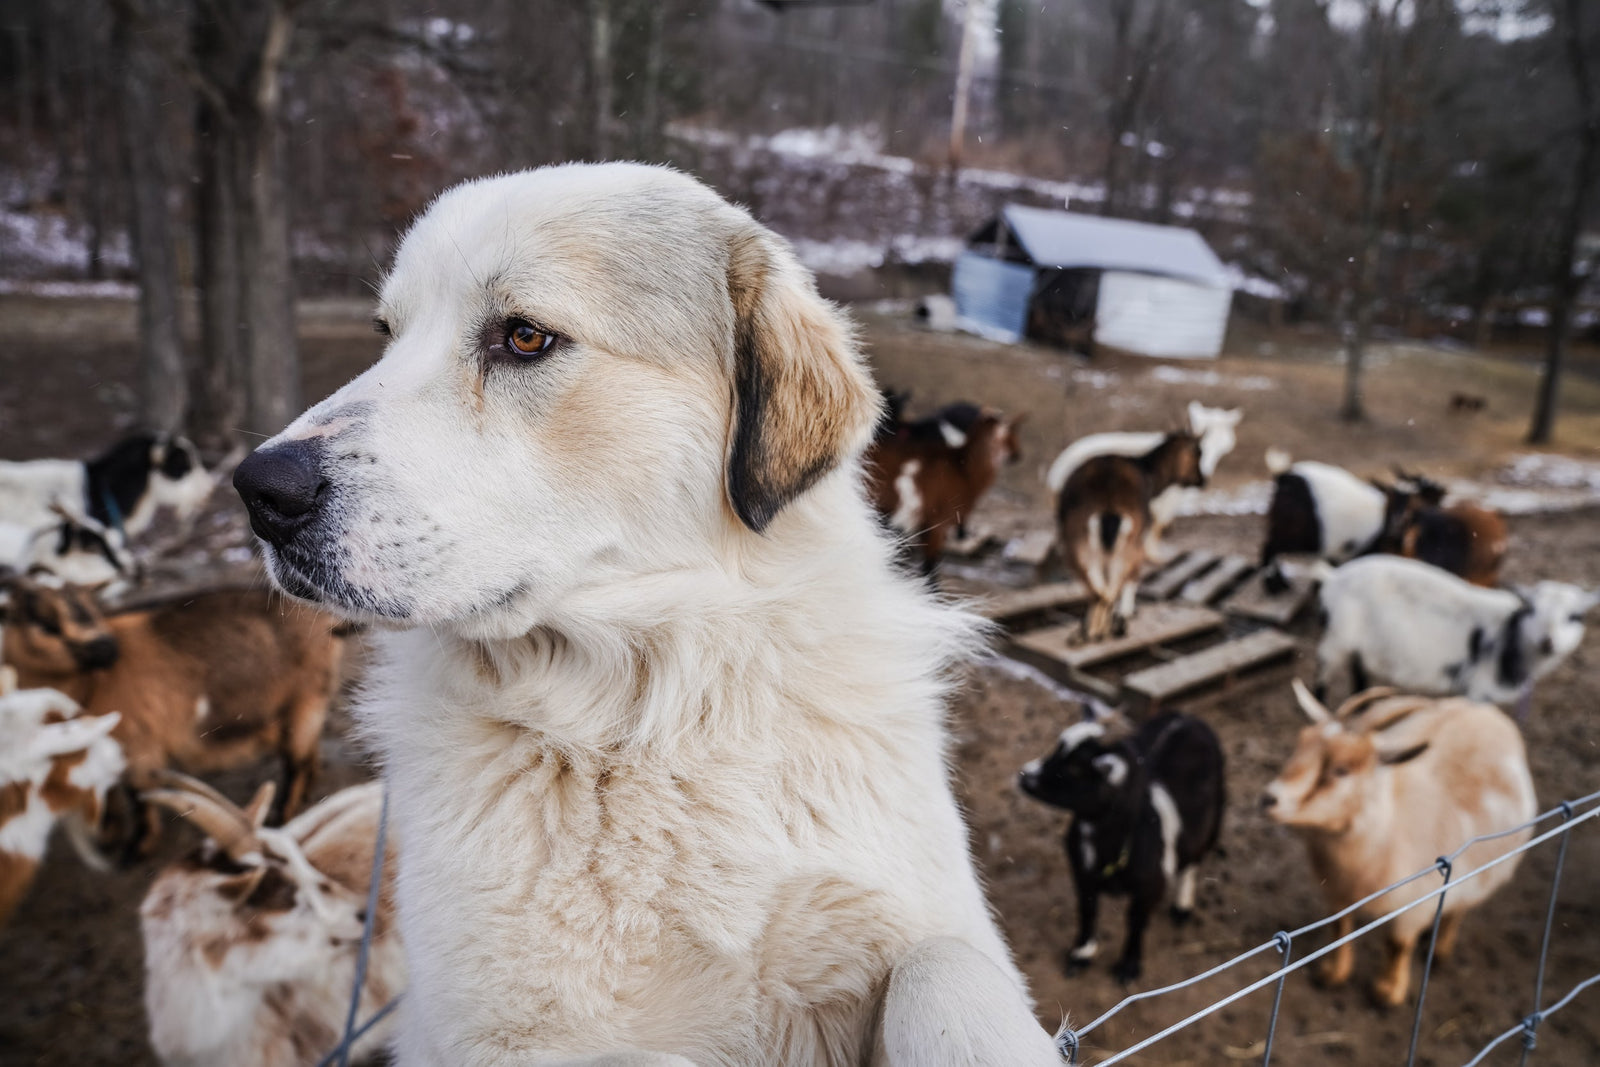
1411, 624
926, 477
1382, 788
1321, 510
207, 682
1103, 515
77, 550
123, 488
1217, 430
1465, 539
250, 943
1146, 810
54, 763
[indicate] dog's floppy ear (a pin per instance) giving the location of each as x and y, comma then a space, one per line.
802, 399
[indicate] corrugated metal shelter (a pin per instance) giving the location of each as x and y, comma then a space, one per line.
1080, 280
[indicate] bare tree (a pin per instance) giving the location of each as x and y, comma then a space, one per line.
1138, 40
163, 392
1575, 47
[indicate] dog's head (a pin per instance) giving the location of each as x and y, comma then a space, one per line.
594, 373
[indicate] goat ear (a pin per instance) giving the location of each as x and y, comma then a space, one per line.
803, 400
74, 735
1315, 709
260, 804
1113, 768
1403, 755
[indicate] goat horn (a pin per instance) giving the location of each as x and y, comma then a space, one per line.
1360, 700
260, 804
214, 814
8, 679
1315, 710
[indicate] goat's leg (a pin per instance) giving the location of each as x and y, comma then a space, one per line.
1334, 969
1084, 947
947, 1004
1130, 963
1392, 985
302, 738
1449, 929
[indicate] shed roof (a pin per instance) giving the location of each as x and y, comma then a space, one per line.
1066, 239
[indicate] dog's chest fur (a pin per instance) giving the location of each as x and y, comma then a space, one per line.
741, 905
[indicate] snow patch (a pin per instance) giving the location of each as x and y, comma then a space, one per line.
1211, 378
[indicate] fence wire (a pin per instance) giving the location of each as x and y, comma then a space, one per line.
1070, 1039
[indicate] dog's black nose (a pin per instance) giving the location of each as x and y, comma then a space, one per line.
281, 487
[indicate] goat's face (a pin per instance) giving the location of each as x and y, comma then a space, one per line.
178, 479
54, 630
1006, 444
80, 554
593, 373
1556, 627
273, 916
1217, 429
1322, 784
1080, 774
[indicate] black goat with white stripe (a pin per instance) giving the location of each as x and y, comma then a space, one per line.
1146, 811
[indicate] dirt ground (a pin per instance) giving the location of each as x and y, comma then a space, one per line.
70, 967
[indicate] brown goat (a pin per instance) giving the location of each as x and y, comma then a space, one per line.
1467, 540
207, 682
1101, 518
925, 477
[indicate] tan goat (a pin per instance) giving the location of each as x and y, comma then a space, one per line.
251, 942
54, 763
1384, 787
1102, 516
205, 682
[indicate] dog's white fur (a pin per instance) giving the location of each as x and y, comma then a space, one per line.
667, 788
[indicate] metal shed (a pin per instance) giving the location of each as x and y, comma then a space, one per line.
1082, 280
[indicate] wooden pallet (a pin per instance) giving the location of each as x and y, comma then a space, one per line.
1210, 586
1252, 601
1152, 625
1165, 583
1187, 601
1153, 685
1053, 596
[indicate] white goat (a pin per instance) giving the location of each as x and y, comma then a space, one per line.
54, 764
1381, 790
1216, 428
251, 943
1413, 625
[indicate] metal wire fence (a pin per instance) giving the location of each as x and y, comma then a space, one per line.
1571, 814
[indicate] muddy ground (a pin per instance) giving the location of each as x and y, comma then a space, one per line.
70, 969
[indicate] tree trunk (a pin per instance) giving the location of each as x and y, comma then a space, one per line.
600, 71
965, 58
271, 356
216, 381
163, 392
654, 60
1568, 282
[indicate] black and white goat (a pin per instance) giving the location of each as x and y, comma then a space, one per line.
1146, 810
1412, 625
122, 488
76, 549
1320, 510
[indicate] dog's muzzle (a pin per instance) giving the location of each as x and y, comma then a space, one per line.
282, 488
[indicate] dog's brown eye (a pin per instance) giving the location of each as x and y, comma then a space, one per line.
528, 340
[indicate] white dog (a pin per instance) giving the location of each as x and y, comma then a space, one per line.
662, 723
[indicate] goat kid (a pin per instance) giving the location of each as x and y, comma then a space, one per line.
77, 550
1217, 429
1101, 519
1380, 790
1146, 810
55, 763
1464, 538
122, 488
1406, 623
251, 942
208, 682
926, 477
